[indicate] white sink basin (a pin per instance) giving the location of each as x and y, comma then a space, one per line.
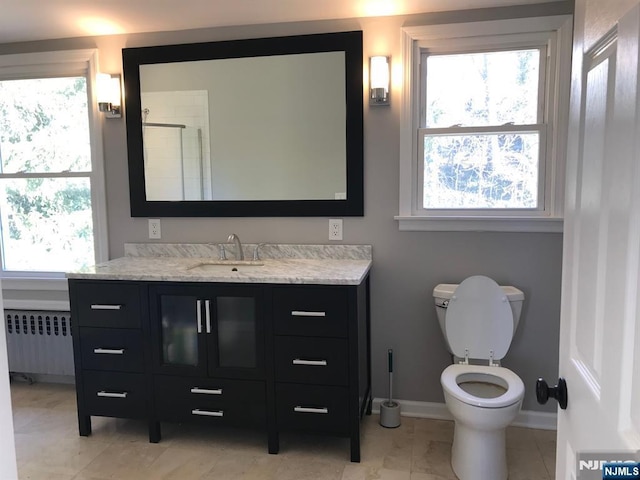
225, 266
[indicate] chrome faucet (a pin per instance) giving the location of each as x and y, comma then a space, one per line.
256, 255
234, 238
222, 255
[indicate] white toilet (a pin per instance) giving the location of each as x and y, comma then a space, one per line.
478, 319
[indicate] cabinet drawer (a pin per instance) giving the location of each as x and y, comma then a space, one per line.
312, 311
104, 304
321, 361
115, 394
111, 349
309, 407
223, 402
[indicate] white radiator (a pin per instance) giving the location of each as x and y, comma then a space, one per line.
39, 342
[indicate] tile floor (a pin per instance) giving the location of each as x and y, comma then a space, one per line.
49, 448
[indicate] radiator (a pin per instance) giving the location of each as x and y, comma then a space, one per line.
39, 342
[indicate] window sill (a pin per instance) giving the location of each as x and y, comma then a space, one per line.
34, 301
34, 283
480, 224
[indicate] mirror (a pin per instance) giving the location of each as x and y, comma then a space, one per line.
260, 127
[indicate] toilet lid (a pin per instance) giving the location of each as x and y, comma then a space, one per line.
479, 319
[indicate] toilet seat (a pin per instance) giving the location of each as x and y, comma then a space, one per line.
453, 374
479, 322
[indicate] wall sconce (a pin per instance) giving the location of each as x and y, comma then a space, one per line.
379, 75
109, 97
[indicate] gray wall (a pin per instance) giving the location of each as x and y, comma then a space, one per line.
407, 265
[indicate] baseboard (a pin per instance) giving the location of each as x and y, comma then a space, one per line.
439, 411
539, 420
42, 378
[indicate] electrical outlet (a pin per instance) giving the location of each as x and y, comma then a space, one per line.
154, 228
335, 229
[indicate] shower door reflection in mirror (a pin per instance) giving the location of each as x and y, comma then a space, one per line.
175, 131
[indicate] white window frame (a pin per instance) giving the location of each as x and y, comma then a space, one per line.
555, 32
52, 64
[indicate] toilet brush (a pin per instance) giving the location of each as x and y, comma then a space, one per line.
390, 410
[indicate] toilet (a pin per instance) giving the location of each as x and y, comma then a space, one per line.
478, 319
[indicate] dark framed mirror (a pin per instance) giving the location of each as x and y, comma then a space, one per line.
258, 127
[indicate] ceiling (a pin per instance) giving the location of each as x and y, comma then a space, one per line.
26, 20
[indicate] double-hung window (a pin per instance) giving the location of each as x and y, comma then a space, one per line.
483, 125
52, 215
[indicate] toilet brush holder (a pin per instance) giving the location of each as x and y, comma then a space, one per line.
389, 409
390, 414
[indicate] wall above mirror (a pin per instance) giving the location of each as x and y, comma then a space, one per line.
258, 127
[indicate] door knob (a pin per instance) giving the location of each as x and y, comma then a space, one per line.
559, 392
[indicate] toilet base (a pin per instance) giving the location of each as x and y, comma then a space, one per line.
479, 454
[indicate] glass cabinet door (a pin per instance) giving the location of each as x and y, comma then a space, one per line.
236, 332
178, 339
215, 330
179, 330
236, 343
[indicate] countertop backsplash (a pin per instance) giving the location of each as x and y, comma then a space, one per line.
267, 251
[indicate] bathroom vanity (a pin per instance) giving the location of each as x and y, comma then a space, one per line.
169, 333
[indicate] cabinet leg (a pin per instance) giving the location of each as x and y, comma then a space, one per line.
84, 425
154, 431
369, 404
355, 449
273, 439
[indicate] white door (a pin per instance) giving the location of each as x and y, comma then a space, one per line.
600, 318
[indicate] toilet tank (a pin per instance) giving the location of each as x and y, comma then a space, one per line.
443, 292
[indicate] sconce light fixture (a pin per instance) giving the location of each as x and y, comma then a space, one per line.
379, 75
109, 97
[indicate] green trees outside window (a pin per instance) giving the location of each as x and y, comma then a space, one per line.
45, 160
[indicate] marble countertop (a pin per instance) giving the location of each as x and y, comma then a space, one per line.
179, 263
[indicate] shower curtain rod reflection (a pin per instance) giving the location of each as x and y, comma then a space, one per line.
165, 125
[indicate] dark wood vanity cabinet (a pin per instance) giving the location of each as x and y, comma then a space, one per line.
111, 350
208, 358
318, 373
277, 357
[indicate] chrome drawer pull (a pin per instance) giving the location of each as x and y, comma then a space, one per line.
105, 307
318, 363
207, 315
207, 413
109, 351
302, 409
199, 314
302, 313
207, 391
112, 394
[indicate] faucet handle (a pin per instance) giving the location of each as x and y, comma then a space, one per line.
256, 254
222, 255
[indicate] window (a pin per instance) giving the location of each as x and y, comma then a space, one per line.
480, 136
51, 187
482, 133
